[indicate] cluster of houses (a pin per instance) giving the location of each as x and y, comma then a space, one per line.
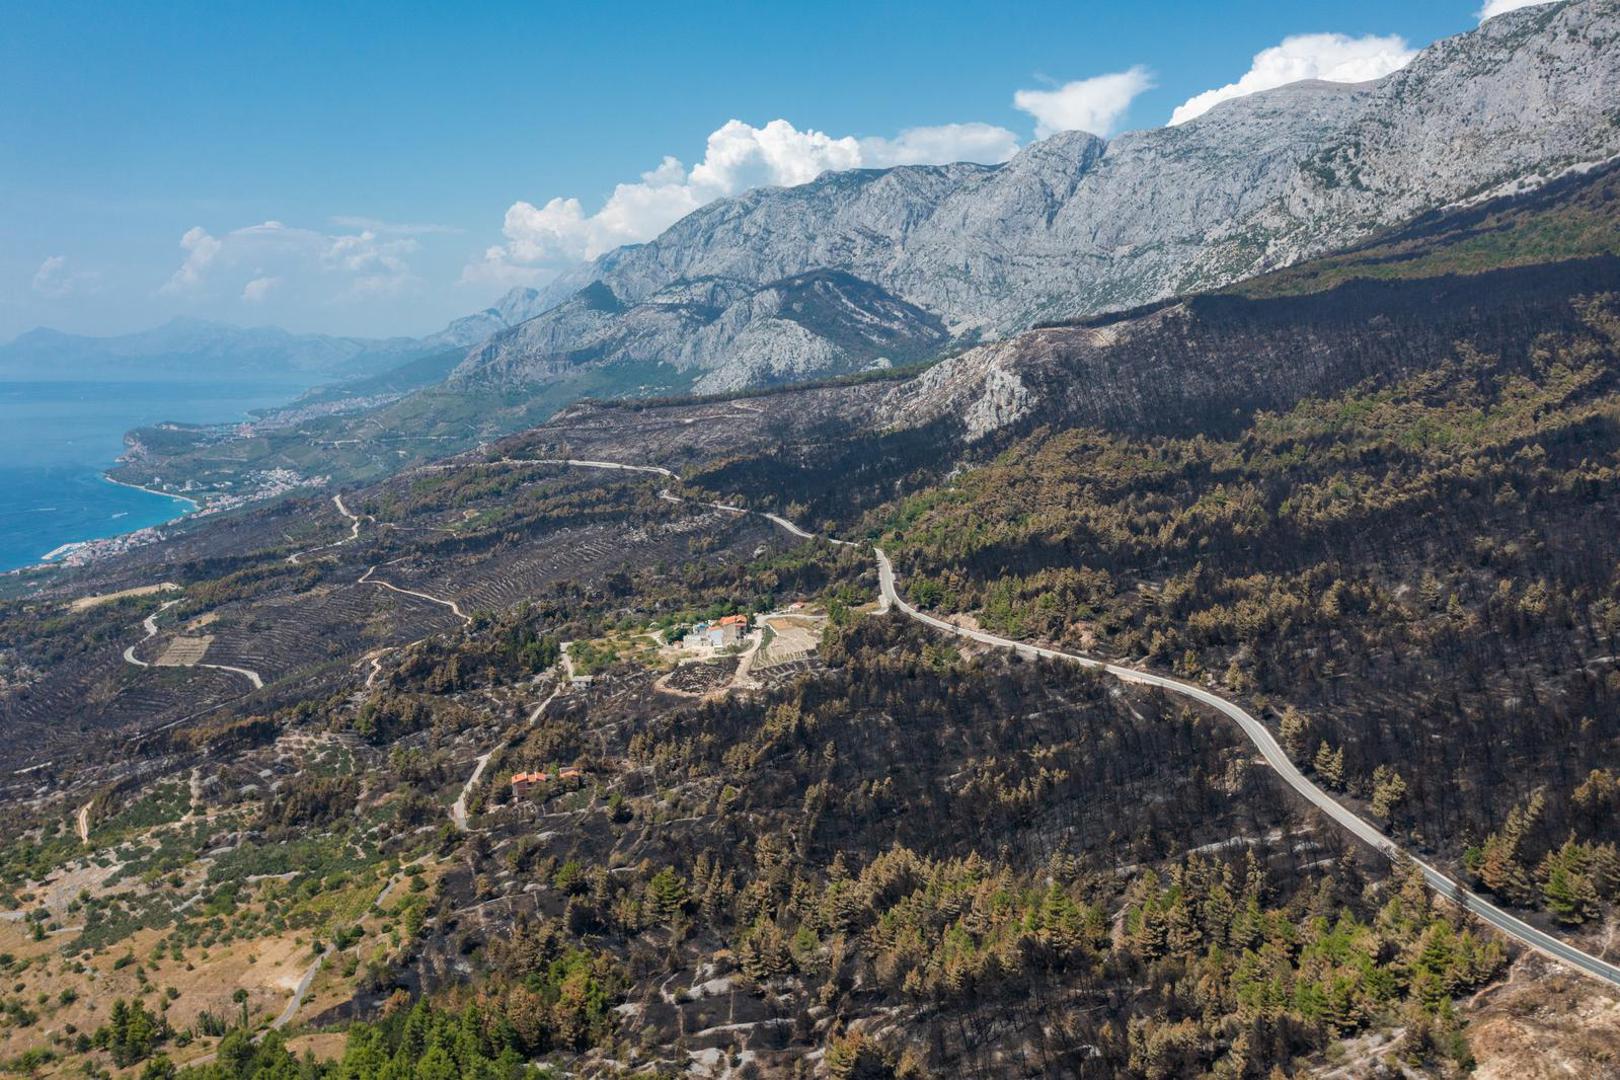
524, 783
717, 634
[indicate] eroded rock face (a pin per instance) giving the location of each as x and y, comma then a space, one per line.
1074, 225
820, 321
1204, 363
517, 306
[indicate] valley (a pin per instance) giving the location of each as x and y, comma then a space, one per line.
474, 572
1147, 608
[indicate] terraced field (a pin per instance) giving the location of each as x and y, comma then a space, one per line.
793, 638
184, 651
106, 694
284, 635
496, 581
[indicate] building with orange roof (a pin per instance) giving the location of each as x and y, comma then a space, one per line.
525, 782
727, 630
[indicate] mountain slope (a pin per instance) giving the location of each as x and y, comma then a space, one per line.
1075, 225
820, 321
1208, 361
518, 305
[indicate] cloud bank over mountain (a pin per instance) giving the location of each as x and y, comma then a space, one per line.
1094, 105
1329, 57
737, 158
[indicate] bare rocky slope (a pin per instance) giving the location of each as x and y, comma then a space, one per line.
815, 322
1075, 225
517, 306
1207, 362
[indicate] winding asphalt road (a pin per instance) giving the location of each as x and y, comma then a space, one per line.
150, 623
1253, 729
290, 1010
458, 809
1273, 753
301, 991
247, 673
449, 466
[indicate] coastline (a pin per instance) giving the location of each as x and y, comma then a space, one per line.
194, 504
73, 446
75, 552
269, 485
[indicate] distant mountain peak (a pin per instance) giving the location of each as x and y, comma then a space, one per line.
186, 347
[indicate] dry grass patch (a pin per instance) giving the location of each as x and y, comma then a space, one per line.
185, 651
1544, 1022
85, 603
268, 969
325, 1045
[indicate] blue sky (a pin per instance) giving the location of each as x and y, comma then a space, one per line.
348, 168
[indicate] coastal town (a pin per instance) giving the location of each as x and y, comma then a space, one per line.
257, 487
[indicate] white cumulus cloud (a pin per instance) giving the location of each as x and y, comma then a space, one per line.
256, 290
56, 279
200, 249
985, 143
1493, 8
1330, 57
1095, 104
737, 158
252, 261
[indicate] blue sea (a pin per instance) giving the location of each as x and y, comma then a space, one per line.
57, 438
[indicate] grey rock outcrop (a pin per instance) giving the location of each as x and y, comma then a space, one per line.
518, 306
811, 323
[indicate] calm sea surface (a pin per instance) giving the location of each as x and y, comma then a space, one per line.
57, 437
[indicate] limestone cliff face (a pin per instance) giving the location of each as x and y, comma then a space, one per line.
812, 323
517, 306
1074, 225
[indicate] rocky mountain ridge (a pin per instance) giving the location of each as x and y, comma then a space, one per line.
1203, 360
516, 306
817, 322
1075, 225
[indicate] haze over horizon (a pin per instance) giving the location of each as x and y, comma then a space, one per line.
261, 174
